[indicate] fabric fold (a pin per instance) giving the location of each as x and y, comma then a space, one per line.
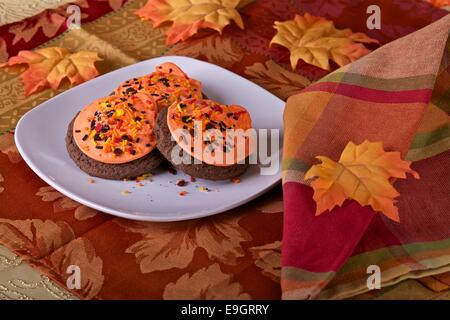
384, 96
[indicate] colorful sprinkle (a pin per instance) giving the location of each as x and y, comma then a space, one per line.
236, 180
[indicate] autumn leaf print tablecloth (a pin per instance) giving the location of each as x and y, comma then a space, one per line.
231, 255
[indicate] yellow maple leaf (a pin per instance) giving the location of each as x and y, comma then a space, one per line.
315, 40
189, 16
49, 66
363, 173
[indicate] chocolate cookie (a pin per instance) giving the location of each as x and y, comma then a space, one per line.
165, 144
111, 171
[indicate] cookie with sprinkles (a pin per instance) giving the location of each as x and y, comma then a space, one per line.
113, 137
213, 140
167, 84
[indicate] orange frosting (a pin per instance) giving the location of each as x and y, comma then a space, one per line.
167, 84
203, 129
117, 129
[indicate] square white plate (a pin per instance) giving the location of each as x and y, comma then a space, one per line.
41, 132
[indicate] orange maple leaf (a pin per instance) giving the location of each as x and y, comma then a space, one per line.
363, 173
439, 3
48, 67
315, 40
189, 16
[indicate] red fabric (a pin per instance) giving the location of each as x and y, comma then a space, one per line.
373, 95
91, 12
399, 18
326, 234
403, 120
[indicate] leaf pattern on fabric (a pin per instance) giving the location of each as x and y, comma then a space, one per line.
208, 283
49, 21
332, 8
3, 51
268, 258
8, 147
2, 180
276, 79
81, 253
83, 212
272, 207
62, 203
172, 245
124, 40
115, 4
215, 48
34, 237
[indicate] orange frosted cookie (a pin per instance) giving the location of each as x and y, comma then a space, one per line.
217, 133
167, 84
116, 130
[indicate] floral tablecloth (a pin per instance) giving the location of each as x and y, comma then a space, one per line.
232, 255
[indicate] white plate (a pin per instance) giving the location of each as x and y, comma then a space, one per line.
41, 132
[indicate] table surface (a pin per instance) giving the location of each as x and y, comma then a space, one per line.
19, 280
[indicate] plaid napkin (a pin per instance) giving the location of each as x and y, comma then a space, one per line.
399, 94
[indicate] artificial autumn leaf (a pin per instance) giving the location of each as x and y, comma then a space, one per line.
189, 16
48, 67
315, 40
439, 3
363, 173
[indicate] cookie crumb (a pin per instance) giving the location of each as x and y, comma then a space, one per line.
183, 193
125, 192
204, 189
143, 177
90, 180
181, 183
236, 180
172, 170
193, 179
